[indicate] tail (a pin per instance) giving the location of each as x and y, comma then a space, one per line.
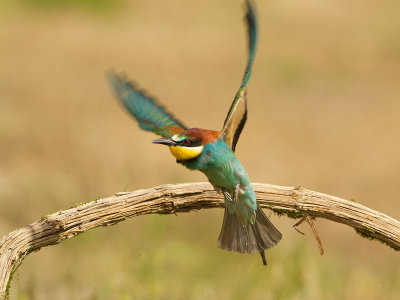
253, 238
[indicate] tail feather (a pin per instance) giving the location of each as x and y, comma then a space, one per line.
248, 239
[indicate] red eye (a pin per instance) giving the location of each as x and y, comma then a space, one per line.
186, 142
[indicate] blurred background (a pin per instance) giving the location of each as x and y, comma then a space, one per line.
323, 113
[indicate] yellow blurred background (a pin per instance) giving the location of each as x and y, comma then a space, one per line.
323, 113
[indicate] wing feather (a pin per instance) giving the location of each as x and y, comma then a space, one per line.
237, 115
150, 115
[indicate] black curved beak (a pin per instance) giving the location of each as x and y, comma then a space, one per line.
167, 142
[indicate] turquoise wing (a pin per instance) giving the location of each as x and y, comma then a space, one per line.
237, 114
150, 115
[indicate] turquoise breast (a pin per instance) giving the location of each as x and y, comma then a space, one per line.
220, 165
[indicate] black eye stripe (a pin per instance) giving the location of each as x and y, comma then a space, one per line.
192, 143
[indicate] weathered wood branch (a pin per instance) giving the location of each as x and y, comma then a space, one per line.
295, 202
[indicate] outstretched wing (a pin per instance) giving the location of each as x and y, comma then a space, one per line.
150, 115
237, 114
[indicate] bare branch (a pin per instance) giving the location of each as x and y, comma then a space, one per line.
315, 232
295, 202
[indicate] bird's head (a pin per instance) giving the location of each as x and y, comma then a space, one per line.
189, 144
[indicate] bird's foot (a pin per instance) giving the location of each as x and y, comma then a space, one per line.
237, 190
227, 195
235, 194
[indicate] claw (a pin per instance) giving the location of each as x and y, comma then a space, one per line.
227, 195
235, 194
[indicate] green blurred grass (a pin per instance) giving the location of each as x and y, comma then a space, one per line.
323, 113
163, 261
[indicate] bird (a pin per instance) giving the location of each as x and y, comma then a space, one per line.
245, 227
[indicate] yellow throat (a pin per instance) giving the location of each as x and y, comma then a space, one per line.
185, 153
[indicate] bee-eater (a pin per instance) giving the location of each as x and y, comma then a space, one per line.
245, 228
